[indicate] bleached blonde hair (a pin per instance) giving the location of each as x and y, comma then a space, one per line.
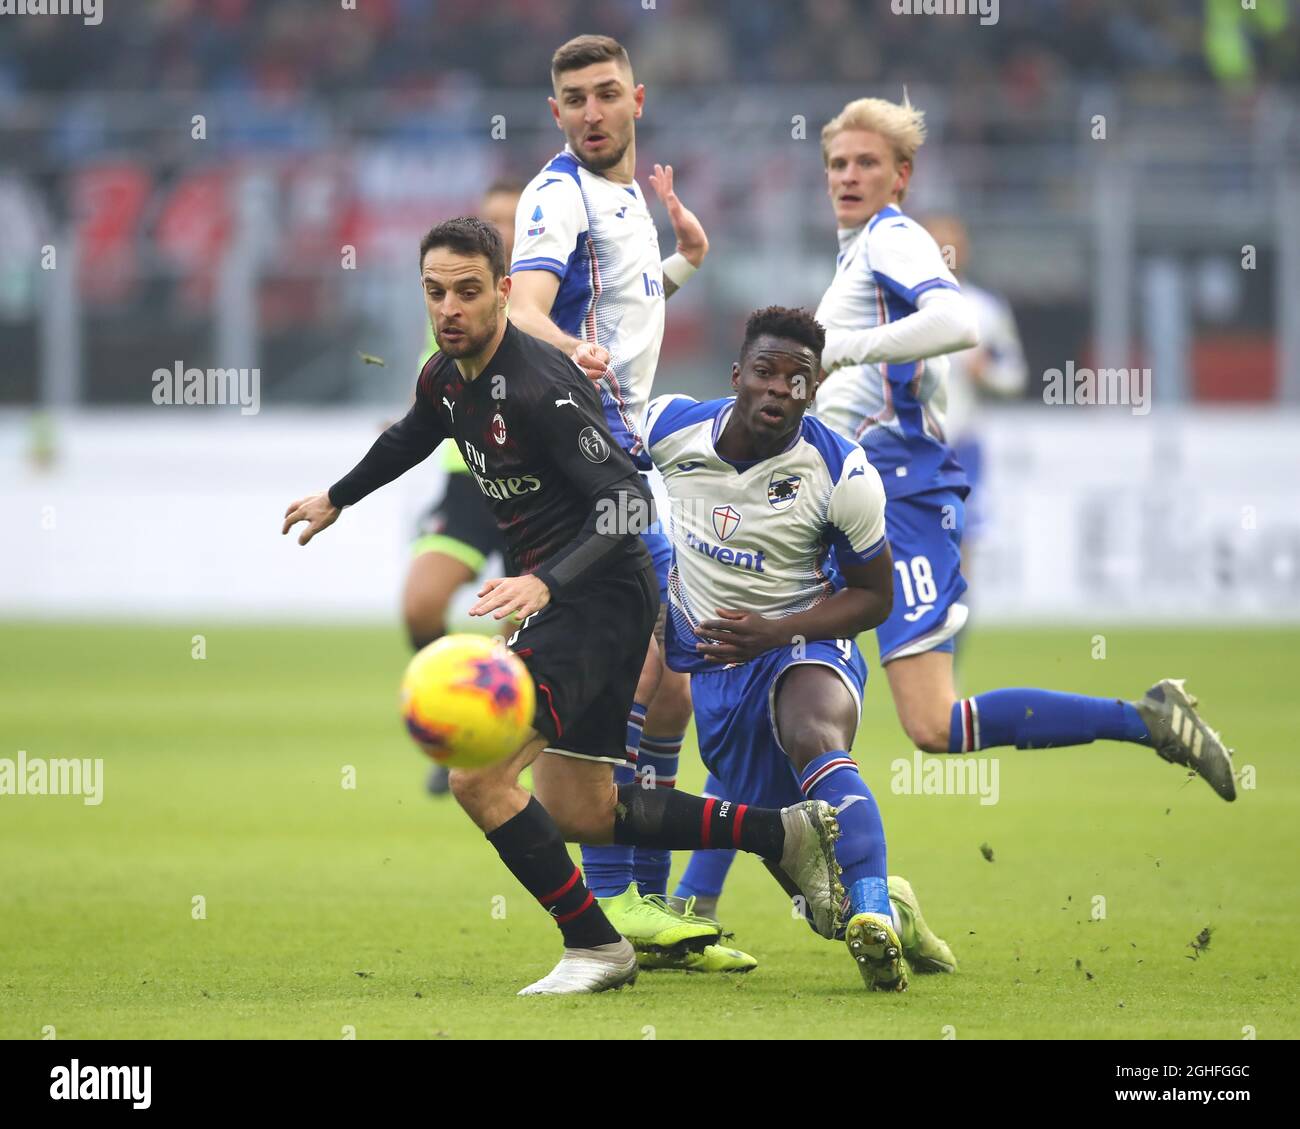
899, 123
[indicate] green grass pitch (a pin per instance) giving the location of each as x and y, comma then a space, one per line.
378, 911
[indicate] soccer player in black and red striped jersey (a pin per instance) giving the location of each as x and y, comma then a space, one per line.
571, 506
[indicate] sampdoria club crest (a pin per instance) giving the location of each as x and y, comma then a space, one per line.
782, 490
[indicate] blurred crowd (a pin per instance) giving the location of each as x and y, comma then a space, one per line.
327, 124
321, 47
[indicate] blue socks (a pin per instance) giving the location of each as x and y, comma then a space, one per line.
657, 762
834, 777
707, 870
1041, 719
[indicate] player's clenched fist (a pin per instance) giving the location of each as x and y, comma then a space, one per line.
520, 595
593, 359
316, 510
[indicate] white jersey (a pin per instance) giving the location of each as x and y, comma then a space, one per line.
756, 536
884, 266
999, 351
600, 239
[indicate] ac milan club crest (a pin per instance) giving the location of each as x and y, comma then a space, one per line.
726, 520
499, 430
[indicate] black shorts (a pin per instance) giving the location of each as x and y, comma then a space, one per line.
461, 525
585, 653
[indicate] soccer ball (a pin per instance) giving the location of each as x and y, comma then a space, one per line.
467, 701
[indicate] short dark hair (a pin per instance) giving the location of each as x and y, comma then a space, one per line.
584, 50
467, 235
781, 321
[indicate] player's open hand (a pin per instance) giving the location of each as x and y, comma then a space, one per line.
316, 510
692, 243
517, 595
593, 359
740, 636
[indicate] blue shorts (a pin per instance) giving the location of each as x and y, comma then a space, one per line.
735, 719
970, 453
924, 533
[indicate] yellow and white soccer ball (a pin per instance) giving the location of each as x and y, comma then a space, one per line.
467, 701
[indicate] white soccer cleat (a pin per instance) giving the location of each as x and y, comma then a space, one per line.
584, 971
809, 860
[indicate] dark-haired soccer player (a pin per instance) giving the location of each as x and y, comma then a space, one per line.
892, 313
571, 505
760, 495
457, 535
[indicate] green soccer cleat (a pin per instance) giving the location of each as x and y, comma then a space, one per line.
714, 958
685, 908
1180, 736
877, 951
652, 926
925, 951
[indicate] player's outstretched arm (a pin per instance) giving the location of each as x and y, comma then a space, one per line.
411, 440
316, 510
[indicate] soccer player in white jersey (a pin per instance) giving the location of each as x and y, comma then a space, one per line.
891, 312
588, 279
892, 306
760, 493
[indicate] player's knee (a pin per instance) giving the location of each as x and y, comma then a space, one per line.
927, 733
583, 822
814, 736
647, 686
425, 621
672, 704
471, 788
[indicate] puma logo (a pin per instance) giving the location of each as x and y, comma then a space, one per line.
570, 401
451, 409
